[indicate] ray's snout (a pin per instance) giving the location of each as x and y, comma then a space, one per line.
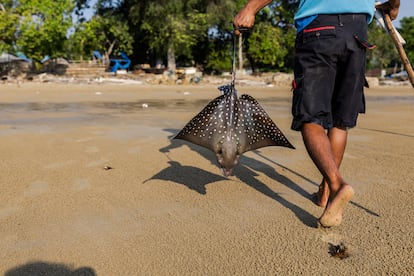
228, 156
227, 172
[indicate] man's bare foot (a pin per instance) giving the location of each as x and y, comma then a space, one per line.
322, 195
332, 216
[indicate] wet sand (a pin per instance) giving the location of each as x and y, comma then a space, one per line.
165, 209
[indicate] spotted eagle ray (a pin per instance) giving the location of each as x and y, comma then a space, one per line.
230, 126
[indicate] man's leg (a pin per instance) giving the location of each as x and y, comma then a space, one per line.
320, 150
337, 138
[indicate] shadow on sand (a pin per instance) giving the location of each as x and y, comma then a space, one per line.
245, 171
180, 174
48, 269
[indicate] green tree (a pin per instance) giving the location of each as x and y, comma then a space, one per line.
188, 31
107, 34
266, 46
280, 13
8, 26
407, 31
219, 53
270, 46
170, 26
80, 7
218, 46
385, 53
284, 11
43, 26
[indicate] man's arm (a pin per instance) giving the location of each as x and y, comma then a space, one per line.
391, 8
245, 17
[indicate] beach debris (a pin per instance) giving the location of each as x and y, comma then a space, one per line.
107, 168
144, 105
230, 126
98, 93
338, 251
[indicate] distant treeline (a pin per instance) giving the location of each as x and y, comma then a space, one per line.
169, 32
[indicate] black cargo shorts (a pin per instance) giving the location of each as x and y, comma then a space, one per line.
330, 71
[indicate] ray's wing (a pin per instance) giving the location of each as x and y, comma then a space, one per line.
256, 129
206, 128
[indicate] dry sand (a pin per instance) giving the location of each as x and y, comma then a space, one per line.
165, 209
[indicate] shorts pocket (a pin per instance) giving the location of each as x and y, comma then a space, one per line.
364, 43
318, 33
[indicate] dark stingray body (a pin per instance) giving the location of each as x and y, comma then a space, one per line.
230, 126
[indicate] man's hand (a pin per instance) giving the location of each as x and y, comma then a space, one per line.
245, 18
391, 8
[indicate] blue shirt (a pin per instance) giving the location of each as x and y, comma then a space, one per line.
309, 9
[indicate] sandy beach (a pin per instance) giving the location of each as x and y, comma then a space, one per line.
92, 184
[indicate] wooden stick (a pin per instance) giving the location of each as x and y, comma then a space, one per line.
400, 48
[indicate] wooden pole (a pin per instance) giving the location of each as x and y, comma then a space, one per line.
400, 48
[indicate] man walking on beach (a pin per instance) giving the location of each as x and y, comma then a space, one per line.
328, 94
